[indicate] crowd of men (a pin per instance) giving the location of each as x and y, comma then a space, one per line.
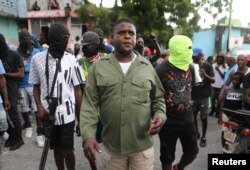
120, 95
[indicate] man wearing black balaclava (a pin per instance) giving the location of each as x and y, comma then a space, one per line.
26, 98
14, 69
58, 40
66, 90
91, 51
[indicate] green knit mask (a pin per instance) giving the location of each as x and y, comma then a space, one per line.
180, 48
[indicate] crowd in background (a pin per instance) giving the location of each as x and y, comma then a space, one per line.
142, 89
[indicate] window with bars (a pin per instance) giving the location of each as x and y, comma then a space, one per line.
246, 36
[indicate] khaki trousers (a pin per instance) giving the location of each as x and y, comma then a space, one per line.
143, 160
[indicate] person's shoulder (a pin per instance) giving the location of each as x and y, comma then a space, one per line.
34, 51
105, 56
247, 75
40, 56
69, 57
13, 53
207, 65
164, 65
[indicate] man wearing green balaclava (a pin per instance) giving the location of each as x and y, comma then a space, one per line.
180, 48
176, 78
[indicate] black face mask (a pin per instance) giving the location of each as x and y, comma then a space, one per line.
25, 46
139, 48
90, 50
3, 47
76, 49
58, 38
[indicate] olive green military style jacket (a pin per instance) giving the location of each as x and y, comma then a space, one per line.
126, 103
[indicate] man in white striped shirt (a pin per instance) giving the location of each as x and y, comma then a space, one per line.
67, 90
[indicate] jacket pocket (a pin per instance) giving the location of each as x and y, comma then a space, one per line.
107, 86
141, 90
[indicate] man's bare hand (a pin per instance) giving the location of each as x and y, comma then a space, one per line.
155, 125
90, 148
41, 112
7, 104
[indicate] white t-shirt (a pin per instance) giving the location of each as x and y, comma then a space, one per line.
69, 75
125, 66
218, 79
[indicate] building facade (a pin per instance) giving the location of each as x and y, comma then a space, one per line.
12, 17
216, 39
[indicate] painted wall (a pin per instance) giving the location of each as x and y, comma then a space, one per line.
235, 32
9, 29
205, 39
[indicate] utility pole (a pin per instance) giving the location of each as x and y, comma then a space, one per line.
229, 24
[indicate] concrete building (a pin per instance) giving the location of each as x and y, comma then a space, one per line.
12, 17
18, 14
216, 39
40, 21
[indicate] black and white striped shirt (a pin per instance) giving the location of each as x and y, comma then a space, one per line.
69, 75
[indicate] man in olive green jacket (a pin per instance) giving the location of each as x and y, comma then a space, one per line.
128, 93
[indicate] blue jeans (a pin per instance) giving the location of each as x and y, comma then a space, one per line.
3, 119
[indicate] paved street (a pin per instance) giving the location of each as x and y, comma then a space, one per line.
28, 156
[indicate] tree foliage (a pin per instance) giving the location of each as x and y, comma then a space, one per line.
164, 17
100, 14
212, 7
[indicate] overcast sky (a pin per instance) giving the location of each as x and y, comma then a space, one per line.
240, 11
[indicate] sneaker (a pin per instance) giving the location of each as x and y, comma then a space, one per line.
203, 142
6, 136
40, 141
17, 145
28, 132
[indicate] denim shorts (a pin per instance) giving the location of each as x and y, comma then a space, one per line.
3, 119
202, 107
26, 101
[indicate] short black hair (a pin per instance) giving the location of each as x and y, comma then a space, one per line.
210, 57
121, 21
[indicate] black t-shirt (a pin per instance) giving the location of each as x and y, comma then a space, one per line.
246, 84
233, 98
177, 85
11, 64
203, 90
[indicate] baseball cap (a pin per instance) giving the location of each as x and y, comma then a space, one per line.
197, 51
90, 37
